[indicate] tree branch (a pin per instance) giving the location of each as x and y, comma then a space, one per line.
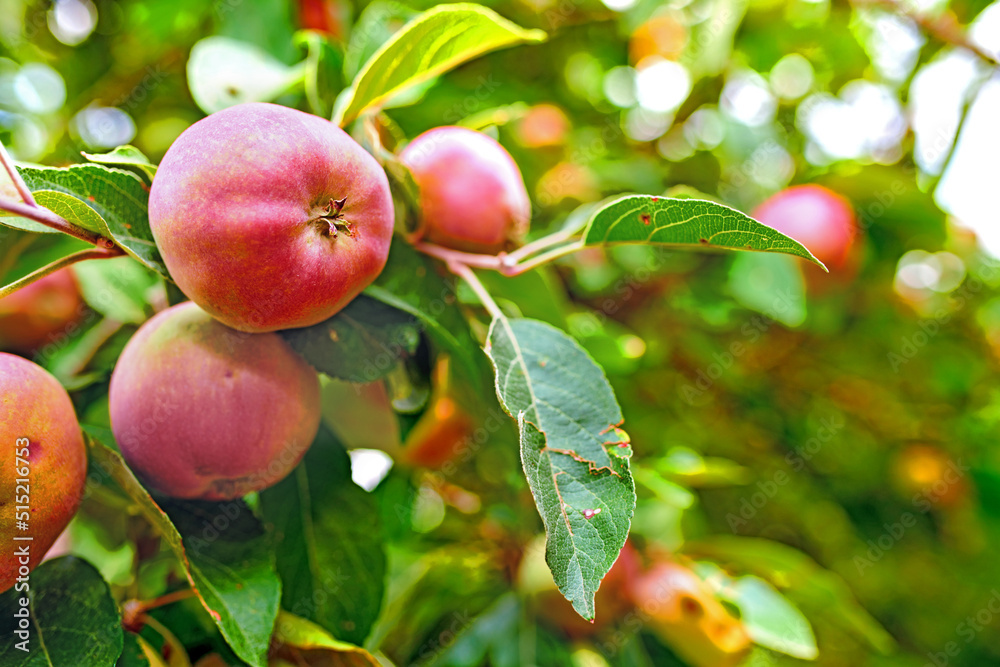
90, 253
943, 27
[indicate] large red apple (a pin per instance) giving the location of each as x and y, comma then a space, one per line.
201, 410
472, 194
33, 315
44, 465
816, 217
270, 218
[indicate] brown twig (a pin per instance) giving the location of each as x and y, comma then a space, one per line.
943, 27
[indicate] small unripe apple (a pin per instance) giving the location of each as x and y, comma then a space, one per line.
45, 466
34, 314
472, 194
682, 610
816, 217
201, 410
270, 218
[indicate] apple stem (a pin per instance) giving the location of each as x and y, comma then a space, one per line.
89, 253
464, 272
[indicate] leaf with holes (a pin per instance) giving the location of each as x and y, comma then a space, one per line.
221, 546
72, 618
686, 222
431, 44
361, 343
106, 200
575, 456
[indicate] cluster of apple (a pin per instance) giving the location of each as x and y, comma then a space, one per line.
267, 218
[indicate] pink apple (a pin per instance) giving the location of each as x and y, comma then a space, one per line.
270, 218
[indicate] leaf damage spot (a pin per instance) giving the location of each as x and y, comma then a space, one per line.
590, 514
645, 218
702, 240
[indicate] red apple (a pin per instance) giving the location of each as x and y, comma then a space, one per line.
45, 465
816, 217
270, 218
33, 315
472, 194
201, 410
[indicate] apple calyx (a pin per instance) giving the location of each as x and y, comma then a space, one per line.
331, 221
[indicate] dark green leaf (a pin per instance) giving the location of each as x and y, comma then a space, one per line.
411, 283
361, 343
71, 618
328, 542
223, 551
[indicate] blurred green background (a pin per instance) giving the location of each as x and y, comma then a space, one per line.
857, 423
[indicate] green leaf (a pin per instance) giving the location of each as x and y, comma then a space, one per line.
493, 633
223, 550
106, 200
310, 640
361, 343
138, 653
324, 66
685, 222
431, 44
223, 72
71, 617
375, 25
116, 288
328, 542
574, 455
807, 583
771, 620
126, 157
410, 282
769, 284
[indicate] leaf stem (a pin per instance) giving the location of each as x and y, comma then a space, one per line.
46, 217
538, 245
544, 258
503, 263
467, 258
22, 187
464, 272
89, 253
